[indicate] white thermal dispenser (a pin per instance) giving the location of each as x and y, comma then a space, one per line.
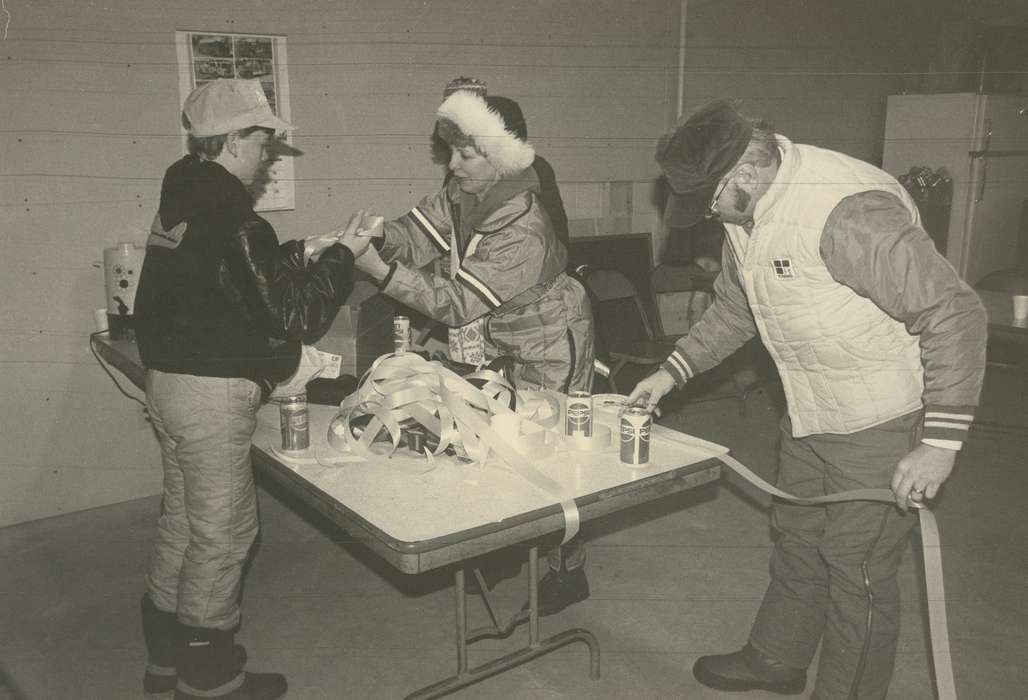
122, 265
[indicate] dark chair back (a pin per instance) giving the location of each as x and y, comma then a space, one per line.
681, 293
621, 316
1012, 281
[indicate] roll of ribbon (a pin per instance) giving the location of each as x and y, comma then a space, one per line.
507, 424
400, 388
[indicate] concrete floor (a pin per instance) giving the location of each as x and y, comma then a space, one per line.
677, 579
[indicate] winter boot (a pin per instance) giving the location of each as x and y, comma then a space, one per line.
207, 669
161, 632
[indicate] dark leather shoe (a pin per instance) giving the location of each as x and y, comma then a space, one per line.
561, 588
748, 669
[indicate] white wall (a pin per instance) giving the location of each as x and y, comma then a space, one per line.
89, 119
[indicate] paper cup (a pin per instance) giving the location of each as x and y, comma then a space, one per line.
100, 319
1020, 306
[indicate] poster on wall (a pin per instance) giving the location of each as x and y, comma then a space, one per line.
207, 56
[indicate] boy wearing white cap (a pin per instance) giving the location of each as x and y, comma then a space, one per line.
223, 310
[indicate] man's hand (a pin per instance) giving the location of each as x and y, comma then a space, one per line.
652, 389
921, 472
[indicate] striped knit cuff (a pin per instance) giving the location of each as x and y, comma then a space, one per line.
944, 444
679, 369
947, 424
389, 276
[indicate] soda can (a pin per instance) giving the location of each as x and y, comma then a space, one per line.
401, 334
579, 414
415, 440
292, 417
635, 423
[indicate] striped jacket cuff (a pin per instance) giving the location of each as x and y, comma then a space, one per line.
954, 445
388, 278
947, 424
679, 369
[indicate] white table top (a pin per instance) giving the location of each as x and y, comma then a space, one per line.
419, 519
412, 500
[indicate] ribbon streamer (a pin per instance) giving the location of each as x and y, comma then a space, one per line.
930, 543
397, 389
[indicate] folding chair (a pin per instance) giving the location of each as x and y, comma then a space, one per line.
681, 293
623, 327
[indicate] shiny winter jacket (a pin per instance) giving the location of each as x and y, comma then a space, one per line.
500, 262
218, 295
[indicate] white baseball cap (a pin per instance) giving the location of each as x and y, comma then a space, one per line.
230, 104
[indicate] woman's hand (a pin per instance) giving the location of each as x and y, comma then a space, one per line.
371, 263
349, 238
314, 245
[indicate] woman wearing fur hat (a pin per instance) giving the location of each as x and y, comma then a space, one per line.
501, 280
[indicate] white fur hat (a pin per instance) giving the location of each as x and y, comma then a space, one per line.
492, 126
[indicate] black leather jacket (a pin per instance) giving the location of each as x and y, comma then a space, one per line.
218, 295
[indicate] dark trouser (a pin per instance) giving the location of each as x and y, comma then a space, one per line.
830, 560
571, 553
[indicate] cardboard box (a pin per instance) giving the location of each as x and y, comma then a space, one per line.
362, 330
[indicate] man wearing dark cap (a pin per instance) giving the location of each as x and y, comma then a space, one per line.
881, 352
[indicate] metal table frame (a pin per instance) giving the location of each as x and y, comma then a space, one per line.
455, 548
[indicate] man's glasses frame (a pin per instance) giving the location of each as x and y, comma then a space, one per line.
711, 212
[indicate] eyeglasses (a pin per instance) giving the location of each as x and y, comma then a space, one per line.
711, 212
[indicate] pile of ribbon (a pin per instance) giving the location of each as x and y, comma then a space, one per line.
470, 415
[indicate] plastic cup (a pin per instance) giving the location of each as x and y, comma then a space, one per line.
1020, 306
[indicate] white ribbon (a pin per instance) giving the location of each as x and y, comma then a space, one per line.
398, 388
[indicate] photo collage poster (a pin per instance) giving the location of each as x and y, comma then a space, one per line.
209, 56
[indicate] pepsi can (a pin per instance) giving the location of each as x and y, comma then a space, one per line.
401, 334
635, 423
579, 414
292, 416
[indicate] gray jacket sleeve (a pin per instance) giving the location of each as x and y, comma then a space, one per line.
871, 244
722, 329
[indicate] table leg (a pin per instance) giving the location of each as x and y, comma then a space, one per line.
535, 648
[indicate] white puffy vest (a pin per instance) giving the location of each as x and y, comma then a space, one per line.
845, 364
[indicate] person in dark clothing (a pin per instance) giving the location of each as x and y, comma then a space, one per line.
223, 310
